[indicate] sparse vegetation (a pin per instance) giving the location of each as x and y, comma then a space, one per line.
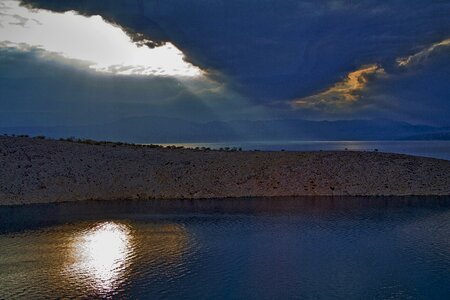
73, 139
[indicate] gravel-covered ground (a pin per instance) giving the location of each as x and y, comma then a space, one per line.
37, 170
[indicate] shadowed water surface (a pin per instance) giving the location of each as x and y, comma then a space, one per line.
364, 248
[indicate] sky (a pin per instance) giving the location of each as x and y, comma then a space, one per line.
87, 62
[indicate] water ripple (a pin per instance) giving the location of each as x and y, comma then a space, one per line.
378, 252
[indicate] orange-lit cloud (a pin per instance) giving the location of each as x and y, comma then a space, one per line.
350, 90
422, 55
342, 93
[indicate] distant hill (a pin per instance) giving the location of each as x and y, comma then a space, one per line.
443, 136
169, 130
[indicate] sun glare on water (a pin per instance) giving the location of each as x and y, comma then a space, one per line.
102, 253
100, 45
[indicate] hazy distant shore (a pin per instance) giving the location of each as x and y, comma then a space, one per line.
40, 171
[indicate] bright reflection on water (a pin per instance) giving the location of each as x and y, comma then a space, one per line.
289, 248
90, 259
101, 253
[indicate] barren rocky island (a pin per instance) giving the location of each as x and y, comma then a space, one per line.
37, 170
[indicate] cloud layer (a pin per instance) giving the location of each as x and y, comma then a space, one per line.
332, 59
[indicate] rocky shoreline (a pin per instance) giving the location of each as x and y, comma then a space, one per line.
37, 170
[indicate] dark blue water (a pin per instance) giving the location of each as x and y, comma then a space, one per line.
435, 149
347, 248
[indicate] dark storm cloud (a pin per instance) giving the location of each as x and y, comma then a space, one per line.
276, 51
295, 46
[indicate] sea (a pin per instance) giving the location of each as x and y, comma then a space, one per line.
249, 248
434, 149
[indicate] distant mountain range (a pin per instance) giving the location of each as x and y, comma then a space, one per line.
168, 130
